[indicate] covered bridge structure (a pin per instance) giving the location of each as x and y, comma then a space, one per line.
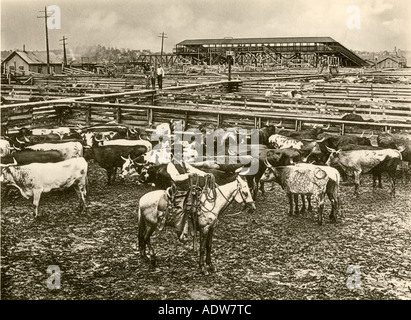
290, 51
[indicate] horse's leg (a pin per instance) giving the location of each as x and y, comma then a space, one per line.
203, 242
209, 243
149, 232
141, 239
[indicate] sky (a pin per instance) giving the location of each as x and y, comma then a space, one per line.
373, 25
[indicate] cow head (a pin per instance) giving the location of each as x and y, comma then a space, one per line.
130, 167
4, 176
334, 155
88, 139
313, 148
269, 173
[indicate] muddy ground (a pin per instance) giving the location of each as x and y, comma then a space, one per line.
263, 255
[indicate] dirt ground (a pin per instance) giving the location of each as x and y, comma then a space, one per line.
263, 255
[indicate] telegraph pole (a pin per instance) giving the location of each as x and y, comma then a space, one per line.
162, 35
47, 38
64, 50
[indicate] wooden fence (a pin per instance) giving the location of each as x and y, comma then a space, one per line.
208, 103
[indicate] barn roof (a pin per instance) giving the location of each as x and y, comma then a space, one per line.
255, 40
396, 59
36, 57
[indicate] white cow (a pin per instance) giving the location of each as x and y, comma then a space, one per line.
35, 178
68, 149
60, 131
4, 147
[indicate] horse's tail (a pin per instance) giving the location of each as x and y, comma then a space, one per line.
141, 228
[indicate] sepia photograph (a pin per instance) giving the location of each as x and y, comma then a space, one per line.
205, 152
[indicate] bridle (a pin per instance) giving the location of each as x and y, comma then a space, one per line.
238, 190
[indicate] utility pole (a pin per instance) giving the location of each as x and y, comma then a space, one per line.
47, 38
64, 50
162, 35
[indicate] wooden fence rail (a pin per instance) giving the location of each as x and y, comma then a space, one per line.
147, 108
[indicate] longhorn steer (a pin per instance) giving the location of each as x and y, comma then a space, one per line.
354, 162
35, 178
67, 149
112, 157
307, 180
30, 156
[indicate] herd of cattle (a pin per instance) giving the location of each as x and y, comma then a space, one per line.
308, 163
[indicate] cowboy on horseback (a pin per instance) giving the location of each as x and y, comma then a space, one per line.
183, 194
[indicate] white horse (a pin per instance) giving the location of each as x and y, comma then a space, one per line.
153, 204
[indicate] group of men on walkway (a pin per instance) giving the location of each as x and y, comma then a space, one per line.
152, 75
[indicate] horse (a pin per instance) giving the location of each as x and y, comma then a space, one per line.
211, 203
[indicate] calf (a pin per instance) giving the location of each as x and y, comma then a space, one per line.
35, 178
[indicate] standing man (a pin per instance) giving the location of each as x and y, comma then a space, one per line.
153, 78
160, 75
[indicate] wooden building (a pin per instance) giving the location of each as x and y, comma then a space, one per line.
290, 51
24, 62
391, 62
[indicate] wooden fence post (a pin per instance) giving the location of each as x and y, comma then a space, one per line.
118, 114
88, 114
149, 117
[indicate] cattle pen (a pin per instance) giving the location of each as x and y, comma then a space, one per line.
261, 255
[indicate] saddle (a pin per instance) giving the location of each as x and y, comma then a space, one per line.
197, 186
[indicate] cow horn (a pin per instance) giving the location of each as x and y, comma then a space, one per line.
10, 164
133, 131
401, 149
27, 139
314, 126
98, 140
267, 164
327, 127
21, 142
331, 150
125, 159
362, 134
279, 125
13, 148
372, 135
318, 141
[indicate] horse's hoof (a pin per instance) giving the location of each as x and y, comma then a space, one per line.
211, 268
204, 270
